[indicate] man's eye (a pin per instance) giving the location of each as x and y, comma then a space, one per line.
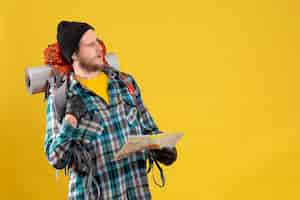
91, 44
99, 41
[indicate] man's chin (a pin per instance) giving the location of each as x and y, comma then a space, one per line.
100, 66
99, 63
92, 67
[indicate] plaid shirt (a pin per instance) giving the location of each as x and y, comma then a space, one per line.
103, 130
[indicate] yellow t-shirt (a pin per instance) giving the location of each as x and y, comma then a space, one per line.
97, 84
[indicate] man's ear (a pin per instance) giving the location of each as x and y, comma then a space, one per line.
74, 56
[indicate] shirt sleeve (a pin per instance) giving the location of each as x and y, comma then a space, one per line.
59, 137
146, 120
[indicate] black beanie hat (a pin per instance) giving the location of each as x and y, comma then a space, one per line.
68, 37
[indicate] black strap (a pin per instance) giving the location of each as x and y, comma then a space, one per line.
162, 176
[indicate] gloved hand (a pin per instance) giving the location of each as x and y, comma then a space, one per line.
75, 107
165, 155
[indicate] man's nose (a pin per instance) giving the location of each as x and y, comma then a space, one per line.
99, 49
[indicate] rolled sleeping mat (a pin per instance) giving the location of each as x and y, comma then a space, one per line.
36, 77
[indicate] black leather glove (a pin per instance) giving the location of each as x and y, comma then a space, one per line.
165, 155
76, 107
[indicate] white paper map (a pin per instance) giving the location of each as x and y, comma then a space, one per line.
156, 141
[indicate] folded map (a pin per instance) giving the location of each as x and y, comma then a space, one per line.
142, 142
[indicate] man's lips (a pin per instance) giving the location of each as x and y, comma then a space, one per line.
100, 56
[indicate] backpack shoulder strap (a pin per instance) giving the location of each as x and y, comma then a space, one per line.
126, 80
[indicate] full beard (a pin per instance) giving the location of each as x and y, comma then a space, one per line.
91, 67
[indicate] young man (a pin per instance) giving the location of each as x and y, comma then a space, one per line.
102, 110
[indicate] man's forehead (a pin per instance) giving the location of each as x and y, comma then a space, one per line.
89, 36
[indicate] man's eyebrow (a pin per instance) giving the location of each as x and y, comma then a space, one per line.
92, 41
86, 43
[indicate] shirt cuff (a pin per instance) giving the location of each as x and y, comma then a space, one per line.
68, 129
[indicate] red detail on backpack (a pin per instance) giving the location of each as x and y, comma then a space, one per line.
130, 89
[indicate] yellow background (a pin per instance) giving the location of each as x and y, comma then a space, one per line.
226, 73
